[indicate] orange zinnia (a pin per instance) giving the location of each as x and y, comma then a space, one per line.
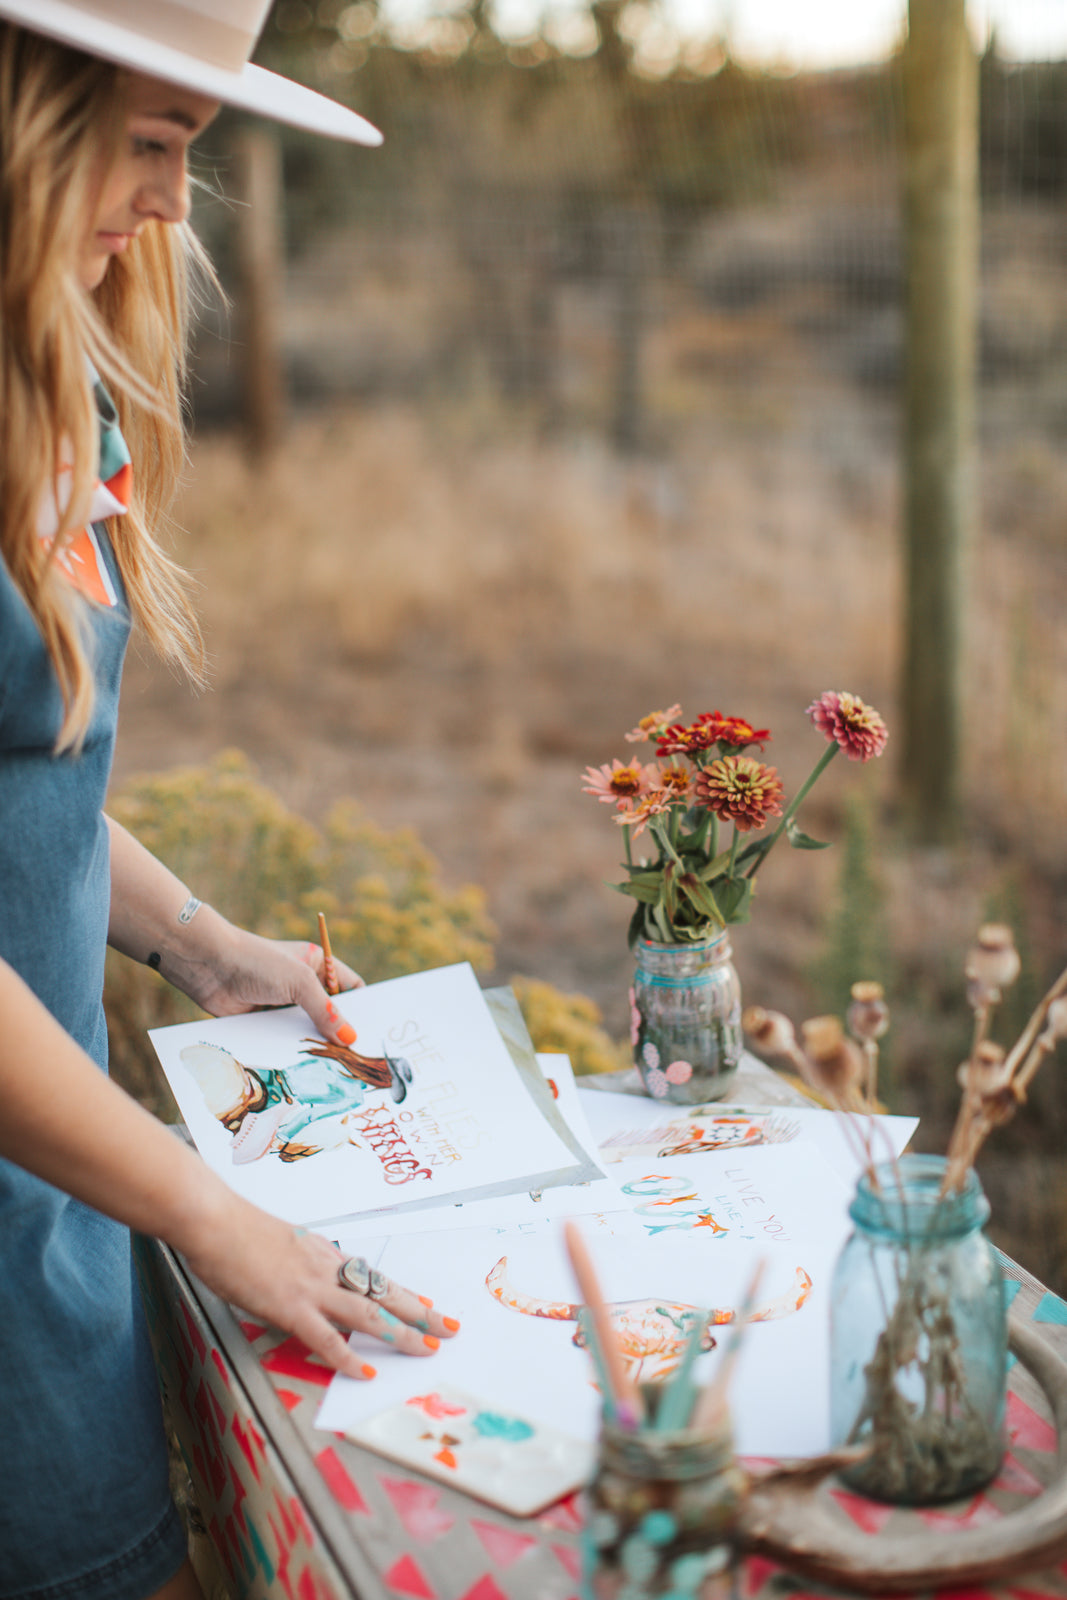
741, 790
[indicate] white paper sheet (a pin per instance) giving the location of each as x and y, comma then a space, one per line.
780, 1202
514, 1212
629, 1127
336, 1147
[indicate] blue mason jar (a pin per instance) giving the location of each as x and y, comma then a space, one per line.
918, 1337
686, 1019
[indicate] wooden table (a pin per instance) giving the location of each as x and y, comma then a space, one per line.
303, 1514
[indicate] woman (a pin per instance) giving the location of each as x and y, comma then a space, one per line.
99, 102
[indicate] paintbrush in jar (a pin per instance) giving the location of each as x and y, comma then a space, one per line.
710, 1407
623, 1395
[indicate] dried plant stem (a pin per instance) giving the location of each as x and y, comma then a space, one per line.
920, 1452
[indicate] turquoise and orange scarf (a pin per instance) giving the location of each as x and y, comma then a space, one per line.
80, 559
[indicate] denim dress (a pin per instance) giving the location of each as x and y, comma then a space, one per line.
85, 1512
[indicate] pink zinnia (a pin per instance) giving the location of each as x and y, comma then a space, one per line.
638, 814
620, 784
649, 727
848, 722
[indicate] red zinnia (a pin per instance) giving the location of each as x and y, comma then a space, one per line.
741, 790
847, 722
734, 730
710, 728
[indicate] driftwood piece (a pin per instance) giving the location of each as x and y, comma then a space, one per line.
791, 1522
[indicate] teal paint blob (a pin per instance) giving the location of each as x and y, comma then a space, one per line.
491, 1426
658, 1527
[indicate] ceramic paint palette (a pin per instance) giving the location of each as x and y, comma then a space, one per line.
509, 1462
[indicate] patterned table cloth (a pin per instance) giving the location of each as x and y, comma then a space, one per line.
295, 1512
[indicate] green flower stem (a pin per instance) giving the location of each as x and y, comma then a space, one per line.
629, 851
713, 848
796, 802
733, 852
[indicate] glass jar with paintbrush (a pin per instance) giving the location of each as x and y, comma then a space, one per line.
661, 1508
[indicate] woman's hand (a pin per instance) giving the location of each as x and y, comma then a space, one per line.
223, 968
72, 1126
289, 1278
227, 970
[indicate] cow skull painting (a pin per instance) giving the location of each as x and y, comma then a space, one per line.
652, 1334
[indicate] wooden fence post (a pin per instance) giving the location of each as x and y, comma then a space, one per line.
261, 268
941, 269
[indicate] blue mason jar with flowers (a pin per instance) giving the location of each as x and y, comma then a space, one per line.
691, 881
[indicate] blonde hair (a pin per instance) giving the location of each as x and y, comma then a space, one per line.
61, 118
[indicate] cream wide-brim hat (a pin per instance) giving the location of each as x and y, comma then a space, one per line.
202, 45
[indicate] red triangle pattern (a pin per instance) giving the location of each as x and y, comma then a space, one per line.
485, 1589
417, 1507
502, 1545
1026, 1428
405, 1577
339, 1482
978, 1514
758, 1571
865, 1514
1017, 1479
569, 1558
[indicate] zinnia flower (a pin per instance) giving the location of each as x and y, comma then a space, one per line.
733, 730
741, 790
710, 728
620, 783
848, 722
639, 814
677, 782
651, 726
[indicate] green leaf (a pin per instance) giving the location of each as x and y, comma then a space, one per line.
735, 899
638, 891
664, 931
637, 926
700, 897
714, 868
803, 841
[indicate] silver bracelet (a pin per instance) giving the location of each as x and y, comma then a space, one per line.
189, 909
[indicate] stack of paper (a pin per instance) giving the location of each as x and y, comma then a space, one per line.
454, 1181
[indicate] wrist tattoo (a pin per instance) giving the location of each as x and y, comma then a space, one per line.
189, 910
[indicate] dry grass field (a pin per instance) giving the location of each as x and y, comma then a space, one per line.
445, 614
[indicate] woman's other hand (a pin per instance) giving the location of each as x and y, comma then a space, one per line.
290, 1279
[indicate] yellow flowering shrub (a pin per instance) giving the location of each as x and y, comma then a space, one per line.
569, 1023
235, 843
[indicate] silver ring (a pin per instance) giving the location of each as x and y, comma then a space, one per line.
378, 1287
355, 1274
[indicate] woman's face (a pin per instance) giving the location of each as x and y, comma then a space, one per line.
147, 181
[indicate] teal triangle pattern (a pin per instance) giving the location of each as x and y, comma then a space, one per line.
1050, 1308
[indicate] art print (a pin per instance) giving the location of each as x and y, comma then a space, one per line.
426, 1105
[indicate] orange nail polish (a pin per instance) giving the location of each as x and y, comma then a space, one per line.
369, 1372
346, 1033
430, 1342
451, 1324
424, 1302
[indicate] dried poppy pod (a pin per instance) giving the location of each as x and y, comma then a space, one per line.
983, 1073
769, 1031
1055, 1024
992, 964
837, 1064
868, 1014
